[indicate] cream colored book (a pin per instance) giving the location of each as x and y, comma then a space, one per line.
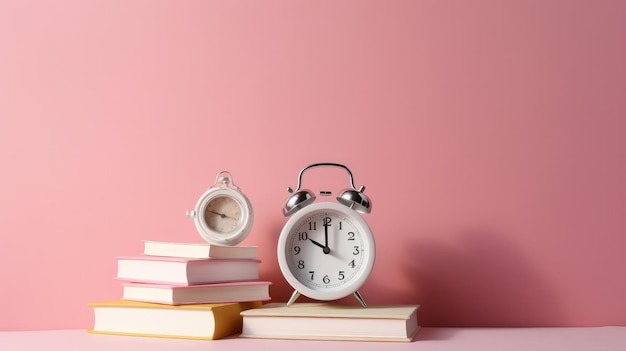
327, 321
196, 250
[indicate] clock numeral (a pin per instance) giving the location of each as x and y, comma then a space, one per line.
327, 221
350, 235
303, 236
341, 275
296, 249
301, 264
356, 251
326, 280
340, 225
312, 225
352, 264
312, 274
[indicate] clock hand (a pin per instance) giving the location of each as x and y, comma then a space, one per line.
217, 213
316, 243
326, 249
326, 237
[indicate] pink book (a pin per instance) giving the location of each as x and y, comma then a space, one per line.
185, 271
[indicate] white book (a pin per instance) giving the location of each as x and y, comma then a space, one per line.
195, 294
196, 250
326, 321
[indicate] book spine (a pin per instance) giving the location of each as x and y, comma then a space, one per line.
228, 319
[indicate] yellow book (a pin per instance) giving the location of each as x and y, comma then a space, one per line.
326, 321
199, 321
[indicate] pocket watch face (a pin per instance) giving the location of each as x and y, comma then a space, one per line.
222, 214
327, 251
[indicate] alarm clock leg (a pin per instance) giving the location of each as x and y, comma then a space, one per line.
293, 297
360, 298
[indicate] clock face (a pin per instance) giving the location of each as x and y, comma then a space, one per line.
326, 251
222, 214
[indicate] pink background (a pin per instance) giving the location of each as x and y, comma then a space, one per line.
489, 135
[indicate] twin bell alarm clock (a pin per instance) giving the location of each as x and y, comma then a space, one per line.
326, 250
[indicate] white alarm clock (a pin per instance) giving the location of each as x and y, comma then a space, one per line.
223, 214
326, 250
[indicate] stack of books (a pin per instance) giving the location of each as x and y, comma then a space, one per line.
183, 290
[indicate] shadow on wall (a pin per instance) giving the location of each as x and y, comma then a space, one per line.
479, 279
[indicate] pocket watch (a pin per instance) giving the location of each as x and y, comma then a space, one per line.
223, 214
326, 250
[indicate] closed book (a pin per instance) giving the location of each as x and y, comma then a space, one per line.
326, 321
185, 271
197, 250
194, 294
202, 321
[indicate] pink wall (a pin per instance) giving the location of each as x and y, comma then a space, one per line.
489, 135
